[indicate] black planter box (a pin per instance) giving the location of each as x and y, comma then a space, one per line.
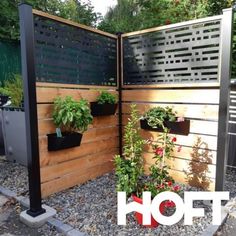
102, 109
176, 127
68, 140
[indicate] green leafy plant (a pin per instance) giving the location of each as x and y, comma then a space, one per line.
160, 179
106, 98
157, 115
129, 167
71, 115
14, 89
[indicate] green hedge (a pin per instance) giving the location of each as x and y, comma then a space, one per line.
10, 61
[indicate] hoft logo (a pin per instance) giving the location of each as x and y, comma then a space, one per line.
183, 208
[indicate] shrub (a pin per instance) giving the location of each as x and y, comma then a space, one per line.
130, 167
14, 89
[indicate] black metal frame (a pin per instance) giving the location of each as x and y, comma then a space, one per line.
225, 72
28, 73
120, 89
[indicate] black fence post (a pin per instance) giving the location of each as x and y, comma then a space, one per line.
120, 90
30, 104
225, 73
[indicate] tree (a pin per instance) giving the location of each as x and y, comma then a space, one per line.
121, 18
74, 10
130, 15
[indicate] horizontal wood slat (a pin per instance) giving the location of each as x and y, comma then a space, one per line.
197, 96
45, 113
184, 153
47, 95
47, 127
75, 178
189, 140
52, 172
182, 85
190, 111
181, 164
57, 85
48, 158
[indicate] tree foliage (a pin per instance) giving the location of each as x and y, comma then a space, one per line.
74, 10
130, 15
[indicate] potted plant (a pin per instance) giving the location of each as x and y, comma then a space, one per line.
159, 179
129, 168
71, 119
105, 104
158, 117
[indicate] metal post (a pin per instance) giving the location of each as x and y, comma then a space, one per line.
120, 90
30, 103
225, 72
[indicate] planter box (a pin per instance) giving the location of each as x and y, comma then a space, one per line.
176, 127
139, 216
68, 140
14, 134
102, 109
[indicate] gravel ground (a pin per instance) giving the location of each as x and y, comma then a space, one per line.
13, 176
230, 182
91, 208
11, 225
229, 227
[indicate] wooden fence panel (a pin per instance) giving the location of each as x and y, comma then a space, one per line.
201, 106
66, 168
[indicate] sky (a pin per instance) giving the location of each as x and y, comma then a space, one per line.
102, 5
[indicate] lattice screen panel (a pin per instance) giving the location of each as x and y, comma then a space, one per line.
187, 54
71, 55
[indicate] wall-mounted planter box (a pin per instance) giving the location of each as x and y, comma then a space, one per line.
68, 140
177, 127
102, 109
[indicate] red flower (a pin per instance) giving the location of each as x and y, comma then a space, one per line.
176, 188
169, 204
169, 183
179, 149
159, 151
174, 139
